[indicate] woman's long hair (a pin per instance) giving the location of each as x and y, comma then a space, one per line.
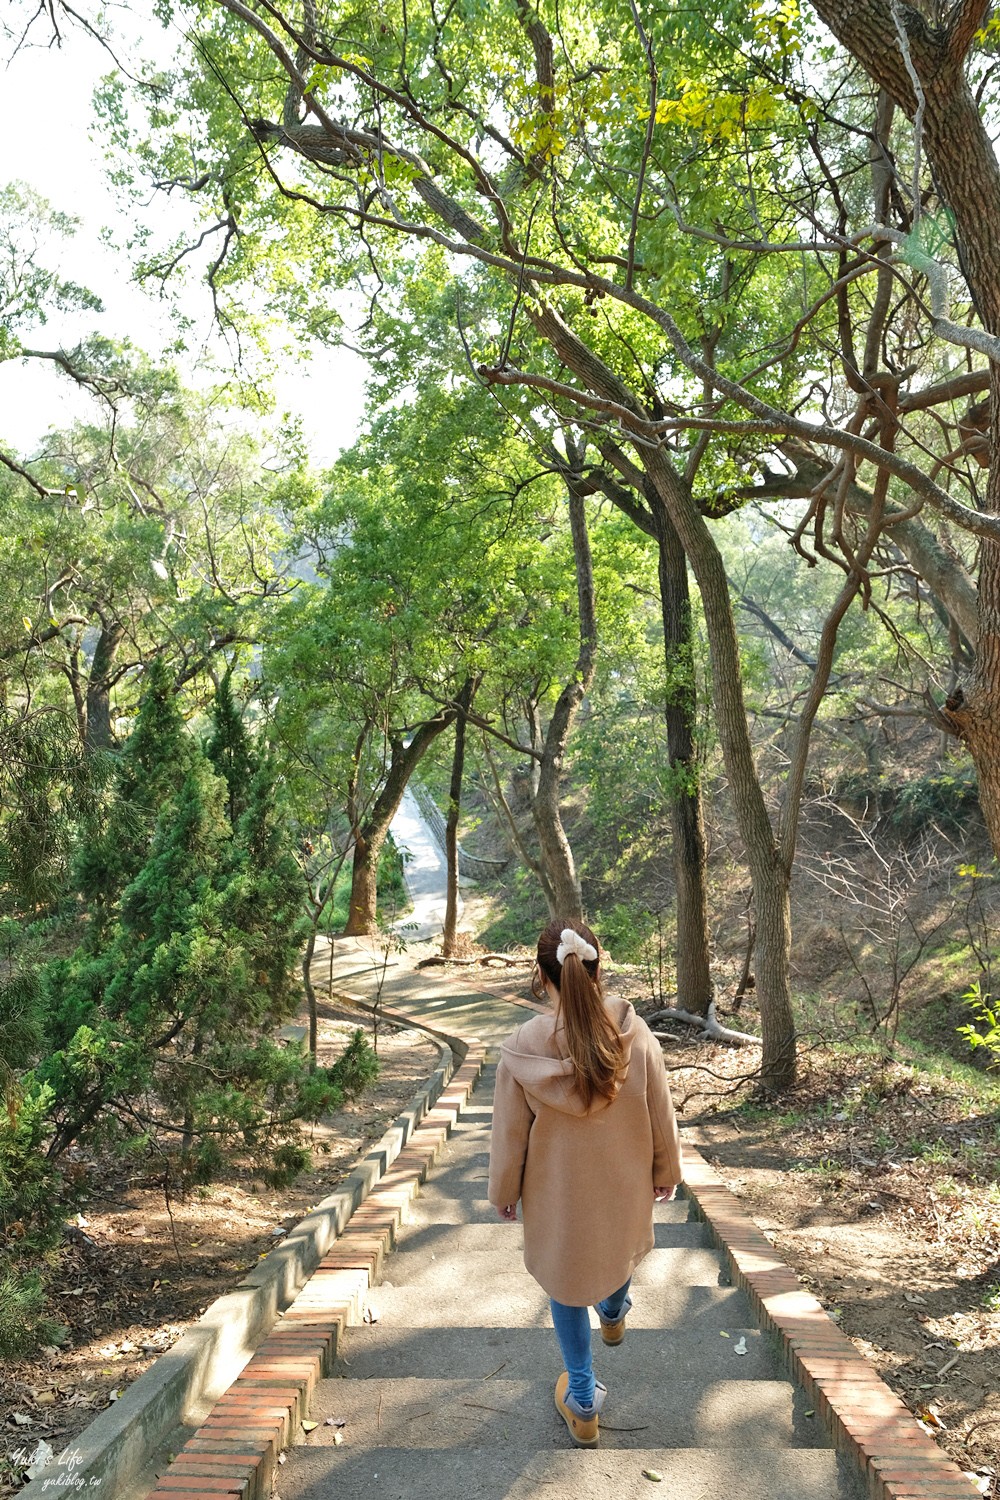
595, 1047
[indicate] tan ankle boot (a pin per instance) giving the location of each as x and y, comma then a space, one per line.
613, 1333
583, 1429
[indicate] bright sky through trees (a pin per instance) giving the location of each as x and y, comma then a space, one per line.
54, 151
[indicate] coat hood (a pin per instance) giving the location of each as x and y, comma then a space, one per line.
539, 1060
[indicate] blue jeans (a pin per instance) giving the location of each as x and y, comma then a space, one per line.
572, 1325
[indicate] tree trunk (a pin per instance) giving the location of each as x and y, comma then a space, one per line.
451, 826
694, 983
770, 883
503, 807
99, 736
773, 956
371, 836
770, 879
307, 959
564, 895
364, 873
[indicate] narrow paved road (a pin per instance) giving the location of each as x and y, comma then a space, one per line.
425, 871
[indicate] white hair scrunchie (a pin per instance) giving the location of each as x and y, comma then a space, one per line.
571, 941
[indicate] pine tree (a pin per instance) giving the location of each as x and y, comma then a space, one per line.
116, 838
265, 897
230, 750
163, 1026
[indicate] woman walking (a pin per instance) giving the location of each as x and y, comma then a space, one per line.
584, 1135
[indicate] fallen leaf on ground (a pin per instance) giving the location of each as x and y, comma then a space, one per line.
41, 1456
981, 1481
653, 1474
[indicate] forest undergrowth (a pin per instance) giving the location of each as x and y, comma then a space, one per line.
137, 1267
878, 1181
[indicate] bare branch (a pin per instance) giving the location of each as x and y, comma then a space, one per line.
921, 98
15, 468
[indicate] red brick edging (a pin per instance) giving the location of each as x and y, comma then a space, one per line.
867, 1421
235, 1451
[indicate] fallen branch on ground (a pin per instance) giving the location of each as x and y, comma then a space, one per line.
710, 1029
482, 958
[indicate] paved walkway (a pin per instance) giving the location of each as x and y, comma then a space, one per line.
425, 871
444, 1383
437, 996
428, 1350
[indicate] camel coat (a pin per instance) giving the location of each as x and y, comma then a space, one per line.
585, 1178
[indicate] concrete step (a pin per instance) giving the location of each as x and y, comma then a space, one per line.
460, 1182
426, 1244
516, 1301
649, 1356
498, 1473
446, 1262
520, 1414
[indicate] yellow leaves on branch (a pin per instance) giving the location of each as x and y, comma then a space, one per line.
720, 113
715, 113
542, 135
777, 26
990, 32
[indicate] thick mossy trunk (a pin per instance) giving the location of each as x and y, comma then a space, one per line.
371, 836
767, 869
449, 933
562, 881
694, 982
364, 878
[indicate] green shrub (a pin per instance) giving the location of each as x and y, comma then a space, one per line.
288, 1161
939, 797
356, 1068
984, 1032
390, 884
23, 1324
33, 1194
630, 932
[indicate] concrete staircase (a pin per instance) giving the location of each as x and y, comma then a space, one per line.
447, 1393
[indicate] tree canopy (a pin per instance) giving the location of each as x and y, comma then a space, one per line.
649, 264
